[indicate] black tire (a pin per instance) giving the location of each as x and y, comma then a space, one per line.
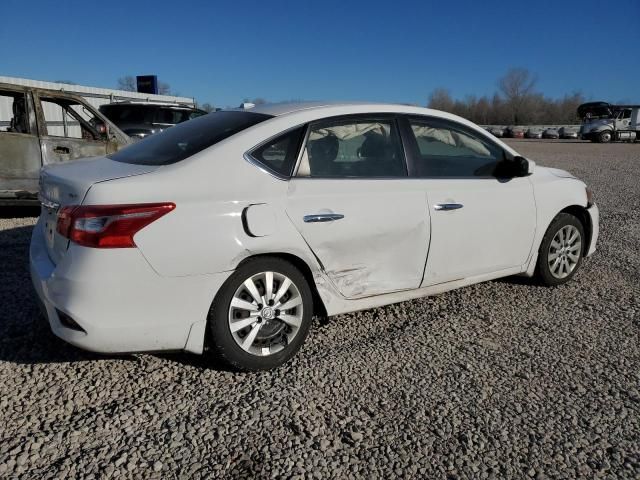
221, 340
605, 137
543, 268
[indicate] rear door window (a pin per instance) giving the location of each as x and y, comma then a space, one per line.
360, 147
186, 139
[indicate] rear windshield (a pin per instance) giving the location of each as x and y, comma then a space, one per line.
127, 113
188, 138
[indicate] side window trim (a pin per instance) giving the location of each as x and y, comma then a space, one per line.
249, 157
414, 151
393, 118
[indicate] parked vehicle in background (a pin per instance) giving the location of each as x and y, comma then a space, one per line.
235, 228
603, 122
533, 133
514, 132
141, 119
550, 133
568, 132
497, 132
41, 127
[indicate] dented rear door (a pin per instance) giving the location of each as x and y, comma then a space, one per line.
371, 236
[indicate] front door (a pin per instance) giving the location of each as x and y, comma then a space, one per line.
482, 221
352, 202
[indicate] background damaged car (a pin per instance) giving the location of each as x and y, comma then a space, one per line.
41, 127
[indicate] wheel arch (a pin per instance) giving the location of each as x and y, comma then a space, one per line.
578, 211
582, 215
319, 308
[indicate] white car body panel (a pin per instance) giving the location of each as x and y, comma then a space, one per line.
492, 231
157, 296
137, 311
381, 243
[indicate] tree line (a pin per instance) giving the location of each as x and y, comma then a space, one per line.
516, 102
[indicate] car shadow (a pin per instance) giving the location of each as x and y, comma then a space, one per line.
518, 280
19, 212
25, 336
206, 361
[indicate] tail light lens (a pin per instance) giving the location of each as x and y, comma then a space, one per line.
108, 226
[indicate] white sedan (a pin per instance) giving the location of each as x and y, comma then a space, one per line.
230, 231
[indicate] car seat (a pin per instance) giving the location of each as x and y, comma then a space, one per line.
322, 155
378, 157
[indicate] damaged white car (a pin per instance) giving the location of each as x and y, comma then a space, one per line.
230, 231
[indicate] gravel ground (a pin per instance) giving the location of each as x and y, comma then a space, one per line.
500, 380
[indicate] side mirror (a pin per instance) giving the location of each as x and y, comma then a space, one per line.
521, 167
514, 167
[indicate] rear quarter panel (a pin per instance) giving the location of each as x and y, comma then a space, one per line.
205, 233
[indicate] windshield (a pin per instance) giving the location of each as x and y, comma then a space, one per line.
188, 138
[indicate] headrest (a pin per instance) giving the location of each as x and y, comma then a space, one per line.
324, 149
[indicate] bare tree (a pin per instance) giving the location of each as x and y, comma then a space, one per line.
127, 83
207, 107
517, 86
164, 89
255, 101
440, 99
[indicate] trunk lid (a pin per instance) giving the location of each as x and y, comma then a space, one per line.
67, 184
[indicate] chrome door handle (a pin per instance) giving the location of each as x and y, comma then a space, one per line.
447, 206
322, 217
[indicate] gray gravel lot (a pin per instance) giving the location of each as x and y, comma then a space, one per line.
505, 379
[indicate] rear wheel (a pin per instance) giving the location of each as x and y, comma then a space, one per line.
261, 315
560, 254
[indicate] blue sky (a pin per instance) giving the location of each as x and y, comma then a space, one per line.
394, 51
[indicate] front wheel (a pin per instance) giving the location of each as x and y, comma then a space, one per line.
261, 316
560, 254
605, 137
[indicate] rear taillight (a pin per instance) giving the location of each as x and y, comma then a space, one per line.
108, 226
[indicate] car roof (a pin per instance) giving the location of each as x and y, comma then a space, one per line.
279, 109
297, 113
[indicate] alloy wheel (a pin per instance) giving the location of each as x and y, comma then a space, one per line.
564, 251
265, 313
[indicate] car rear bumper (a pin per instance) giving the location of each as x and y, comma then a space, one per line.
112, 301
